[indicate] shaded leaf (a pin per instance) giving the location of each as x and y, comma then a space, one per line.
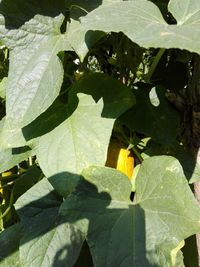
163, 200
9, 243
26, 181
64, 183
47, 121
46, 239
161, 122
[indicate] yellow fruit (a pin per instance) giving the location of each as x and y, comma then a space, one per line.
6, 174
120, 158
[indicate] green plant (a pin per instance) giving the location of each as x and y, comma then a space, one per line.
75, 75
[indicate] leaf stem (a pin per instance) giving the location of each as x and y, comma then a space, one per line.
154, 64
137, 153
5, 212
79, 7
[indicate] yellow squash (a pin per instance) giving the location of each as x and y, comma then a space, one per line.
120, 158
6, 174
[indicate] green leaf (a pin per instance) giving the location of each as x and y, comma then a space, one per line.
9, 243
12, 156
36, 199
186, 12
80, 8
117, 97
46, 239
145, 228
10, 137
143, 23
82, 139
187, 159
9, 157
35, 73
47, 121
26, 181
161, 122
189, 164
64, 183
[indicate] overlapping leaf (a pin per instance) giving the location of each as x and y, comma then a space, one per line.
82, 139
32, 32
45, 239
9, 242
160, 122
186, 158
143, 23
10, 156
143, 232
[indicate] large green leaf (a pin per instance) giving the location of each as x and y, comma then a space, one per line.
9, 243
47, 121
143, 23
143, 232
35, 73
82, 139
159, 121
80, 8
46, 239
186, 12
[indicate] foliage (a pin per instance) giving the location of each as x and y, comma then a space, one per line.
74, 76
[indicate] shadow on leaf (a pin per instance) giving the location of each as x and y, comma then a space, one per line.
52, 232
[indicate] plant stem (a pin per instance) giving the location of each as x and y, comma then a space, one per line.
79, 7
5, 212
154, 64
137, 153
8, 208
